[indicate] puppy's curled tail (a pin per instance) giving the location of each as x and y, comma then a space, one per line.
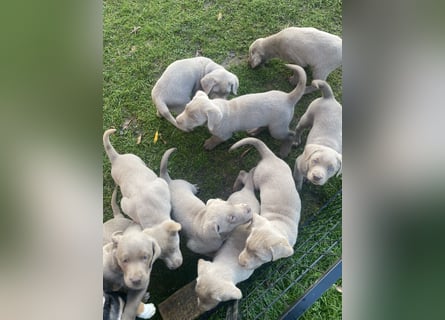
163, 171
114, 206
111, 152
324, 87
298, 91
163, 109
261, 147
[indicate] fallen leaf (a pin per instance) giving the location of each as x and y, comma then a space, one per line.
126, 123
138, 140
339, 289
155, 139
219, 16
135, 29
133, 49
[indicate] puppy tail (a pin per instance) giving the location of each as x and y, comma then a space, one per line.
109, 149
114, 206
324, 87
261, 147
163, 171
298, 91
163, 111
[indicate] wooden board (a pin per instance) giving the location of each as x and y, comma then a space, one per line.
181, 305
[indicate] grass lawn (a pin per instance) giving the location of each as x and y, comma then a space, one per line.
141, 38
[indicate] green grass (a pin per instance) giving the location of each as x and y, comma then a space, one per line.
170, 30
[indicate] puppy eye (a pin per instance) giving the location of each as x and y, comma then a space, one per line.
217, 228
144, 257
315, 160
330, 168
125, 260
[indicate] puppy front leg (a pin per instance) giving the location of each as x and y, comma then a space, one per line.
298, 176
305, 121
134, 298
212, 142
286, 144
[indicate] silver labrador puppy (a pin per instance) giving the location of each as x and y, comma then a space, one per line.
180, 81
320, 50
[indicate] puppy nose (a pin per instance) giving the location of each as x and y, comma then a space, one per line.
136, 281
316, 177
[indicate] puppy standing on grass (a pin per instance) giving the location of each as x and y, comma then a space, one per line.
145, 198
180, 81
275, 231
216, 281
321, 157
206, 226
272, 109
320, 50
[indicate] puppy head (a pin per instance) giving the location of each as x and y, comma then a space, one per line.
222, 217
167, 236
256, 54
263, 244
135, 253
211, 289
219, 83
322, 163
197, 112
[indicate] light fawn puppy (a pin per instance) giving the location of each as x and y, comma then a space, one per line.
180, 81
319, 50
322, 155
206, 225
274, 232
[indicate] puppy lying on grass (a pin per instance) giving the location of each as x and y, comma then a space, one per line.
272, 109
180, 81
321, 157
206, 226
275, 231
320, 50
216, 281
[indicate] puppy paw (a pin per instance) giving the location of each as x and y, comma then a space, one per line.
255, 131
149, 311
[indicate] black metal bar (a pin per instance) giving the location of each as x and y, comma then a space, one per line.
314, 292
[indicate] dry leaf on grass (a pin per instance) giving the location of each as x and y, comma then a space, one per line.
127, 123
139, 138
219, 16
156, 137
135, 29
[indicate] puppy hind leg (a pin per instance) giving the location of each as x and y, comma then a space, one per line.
255, 131
212, 142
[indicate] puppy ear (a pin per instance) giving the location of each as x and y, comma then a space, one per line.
340, 164
116, 237
231, 292
281, 250
172, 226
214, 116
207, 83
202, 265
156, 249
